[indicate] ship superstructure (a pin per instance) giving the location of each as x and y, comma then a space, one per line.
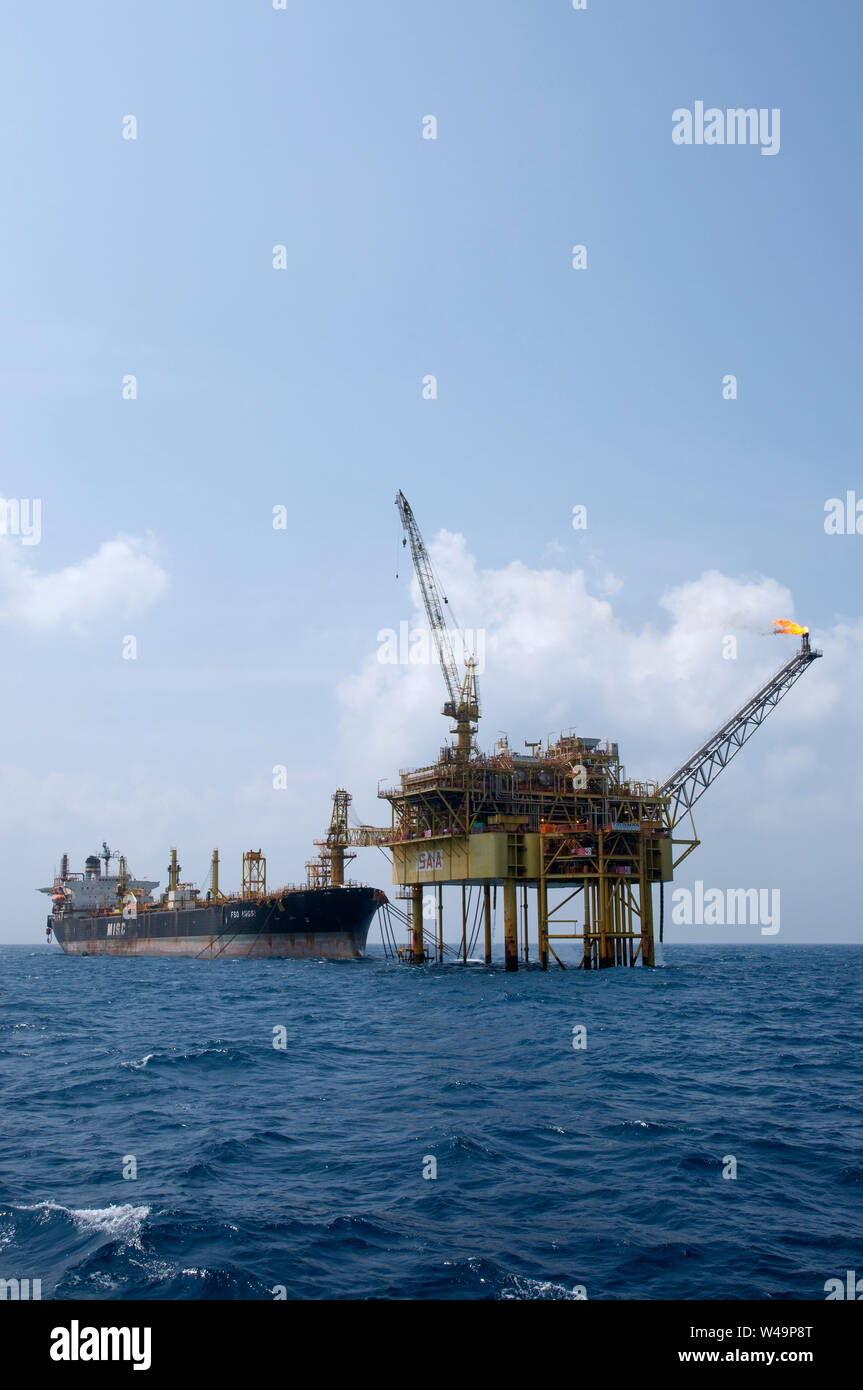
99, 913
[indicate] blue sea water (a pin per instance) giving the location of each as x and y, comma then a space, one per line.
556, 1168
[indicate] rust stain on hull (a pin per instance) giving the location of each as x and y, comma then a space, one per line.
332, 947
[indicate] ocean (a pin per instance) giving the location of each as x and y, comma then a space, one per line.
432, 1132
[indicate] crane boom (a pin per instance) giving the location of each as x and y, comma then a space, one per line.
430, 595
329, 867
692, 778
463, 702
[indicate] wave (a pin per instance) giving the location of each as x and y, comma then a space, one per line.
208, 1054
121, 1223
519, 1286
305, 1169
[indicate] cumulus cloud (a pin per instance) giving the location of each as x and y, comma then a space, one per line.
122, 577
558, 655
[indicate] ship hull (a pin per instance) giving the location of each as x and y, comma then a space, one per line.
328, 923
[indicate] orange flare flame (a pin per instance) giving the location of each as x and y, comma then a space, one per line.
781, 625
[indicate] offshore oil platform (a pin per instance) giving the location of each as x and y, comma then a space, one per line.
564, 816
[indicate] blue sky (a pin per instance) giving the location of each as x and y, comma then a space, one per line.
302, 387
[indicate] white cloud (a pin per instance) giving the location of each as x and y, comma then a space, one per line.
558, 655
121, 578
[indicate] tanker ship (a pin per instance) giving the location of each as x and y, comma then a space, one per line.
114, 914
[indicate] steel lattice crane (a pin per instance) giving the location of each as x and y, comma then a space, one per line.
692, 778
329, 867
463, 702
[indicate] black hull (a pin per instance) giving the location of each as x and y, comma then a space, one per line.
318, 922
